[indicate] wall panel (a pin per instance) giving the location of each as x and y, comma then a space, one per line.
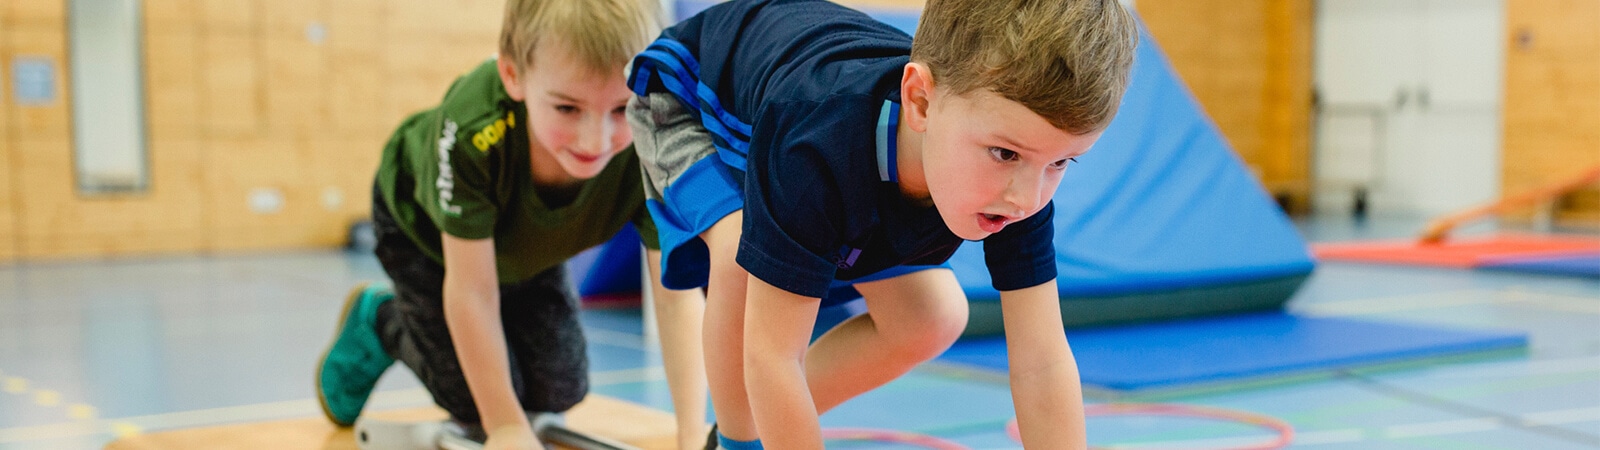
358, 89
172, 90
231, 92
294, 80
8, 227
48, 120
1552, 98
357, 24
295, 67
230, 15
1248, 63
36, 13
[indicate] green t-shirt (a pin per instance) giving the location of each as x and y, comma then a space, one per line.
463, 168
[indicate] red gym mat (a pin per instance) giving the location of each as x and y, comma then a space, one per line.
1463, 253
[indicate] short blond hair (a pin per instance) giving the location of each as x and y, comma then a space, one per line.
602, 34
1066, 60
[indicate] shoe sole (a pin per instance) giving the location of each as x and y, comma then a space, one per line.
350, 302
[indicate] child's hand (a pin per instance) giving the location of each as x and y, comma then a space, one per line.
512, 437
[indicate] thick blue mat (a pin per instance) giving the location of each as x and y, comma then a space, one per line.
1578, 266
613, 268
1250, 346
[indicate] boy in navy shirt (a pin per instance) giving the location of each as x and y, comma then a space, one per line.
790, 146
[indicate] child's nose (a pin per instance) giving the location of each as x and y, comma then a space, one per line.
596, 137
1025, 195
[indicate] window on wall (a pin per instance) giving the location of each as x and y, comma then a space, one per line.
108, 121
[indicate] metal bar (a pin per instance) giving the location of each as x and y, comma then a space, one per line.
549, 428
559, 434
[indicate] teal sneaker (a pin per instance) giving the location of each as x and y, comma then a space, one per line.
354, 361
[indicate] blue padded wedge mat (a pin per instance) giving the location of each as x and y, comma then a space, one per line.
1577, 265
1246, 346
616, 268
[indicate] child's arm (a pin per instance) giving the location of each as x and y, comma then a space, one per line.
777, 329
678, 317
472, 311
1044, 377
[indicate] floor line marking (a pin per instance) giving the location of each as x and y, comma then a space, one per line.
381, 400
616, 339
1558, 304
1398, 303
1342, 436
1443, 427
1562, 417
1450, 299
16, 385
80, 411
1479, 418
81, 414
46, 397
628, 376
1227, 442
51, 431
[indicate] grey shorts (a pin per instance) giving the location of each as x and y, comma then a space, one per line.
687, 186
668, 139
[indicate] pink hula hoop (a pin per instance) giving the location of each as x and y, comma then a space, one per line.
1284, 430
890, 436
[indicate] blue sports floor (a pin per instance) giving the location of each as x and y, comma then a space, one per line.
92, 349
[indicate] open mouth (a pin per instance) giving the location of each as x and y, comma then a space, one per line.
991, 223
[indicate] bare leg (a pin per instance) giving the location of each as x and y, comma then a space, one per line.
724, 330
911, 318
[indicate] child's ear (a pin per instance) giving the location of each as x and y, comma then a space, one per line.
510, 77
916, 91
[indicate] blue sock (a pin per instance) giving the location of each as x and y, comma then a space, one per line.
730, 444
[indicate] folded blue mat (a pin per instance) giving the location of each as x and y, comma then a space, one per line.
1578, 266
1249, 346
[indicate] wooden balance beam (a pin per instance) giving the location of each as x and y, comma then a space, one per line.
610, 418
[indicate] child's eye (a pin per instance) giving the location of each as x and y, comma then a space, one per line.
1002, 154
1062, 164
620, 110
566, 109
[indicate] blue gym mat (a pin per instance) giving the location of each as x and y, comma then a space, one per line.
1578, 265
614, 268
1241, 347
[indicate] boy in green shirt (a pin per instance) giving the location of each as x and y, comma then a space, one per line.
478, 202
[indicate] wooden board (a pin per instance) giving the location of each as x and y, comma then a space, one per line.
1551, 117
601, 416
8, 210
1252, 75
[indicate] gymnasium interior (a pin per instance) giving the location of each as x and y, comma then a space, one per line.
1320, 224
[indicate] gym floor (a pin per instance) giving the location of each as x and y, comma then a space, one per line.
89, 350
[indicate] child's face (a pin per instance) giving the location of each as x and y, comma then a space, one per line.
574, 114
989, 161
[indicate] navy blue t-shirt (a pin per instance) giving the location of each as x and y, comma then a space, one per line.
804, 93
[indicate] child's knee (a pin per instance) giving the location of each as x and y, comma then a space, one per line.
930, 333
945, 327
